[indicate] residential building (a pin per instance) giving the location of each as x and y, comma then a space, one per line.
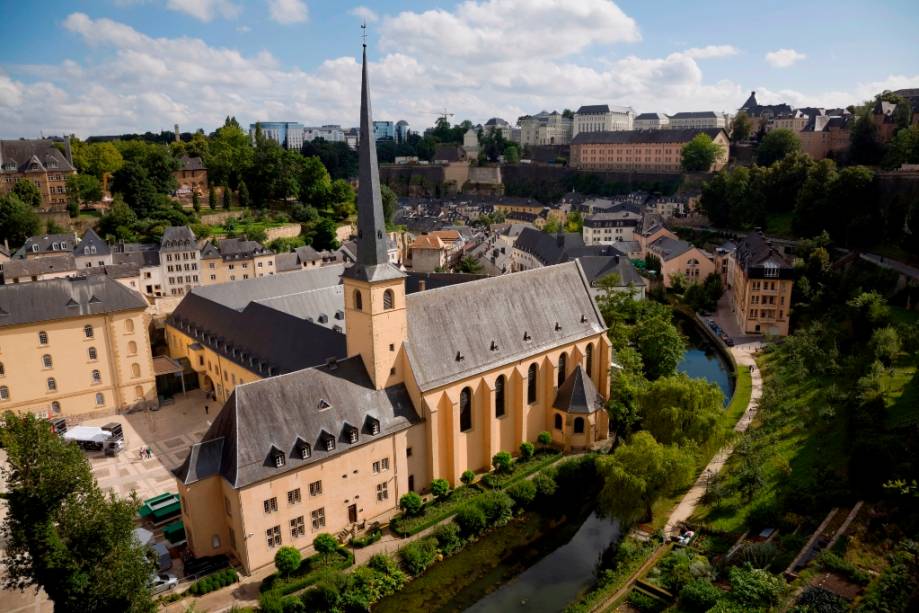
602, 118
233, 259
191, 175
180, 258
545, 129
91, 251
611, 227
42, 163
471, 143
44, 245
652, 228
496, 124
448, 154
436, 251
429, 384
760, 282
651, 121
22, 270
699, 119
146, 258
288, 134
641, 150
826, 136
384, 130
681, 259
762, 114
306, 257
75, 346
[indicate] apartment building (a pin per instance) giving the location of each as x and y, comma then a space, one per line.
651, 121
642, 150
180, 258
616, 225
602, 118
760, 282
234, 259
42, 163
75, 346
681, 259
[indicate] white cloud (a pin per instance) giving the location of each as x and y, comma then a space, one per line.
365, 13
783, 58
288, 11
243, 29
711, 51
206, 10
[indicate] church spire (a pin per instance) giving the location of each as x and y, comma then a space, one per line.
371, 224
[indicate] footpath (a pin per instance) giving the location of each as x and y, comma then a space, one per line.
743, 355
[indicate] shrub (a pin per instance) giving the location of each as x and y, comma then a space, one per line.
448, 538
545, 485
818, 600
467, 477
411, 503
368, 585
287, 560
644, 603
471, 520
544, 439
755, 587
326, 594
503, 462
417, 556
833, 562
699, 596
440, 488
527, 449
213, 582
522, 493
497, 506
325, 543
368, 539
383, 563
489, 480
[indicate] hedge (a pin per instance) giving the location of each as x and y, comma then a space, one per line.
221, 578
310, 571
368, 539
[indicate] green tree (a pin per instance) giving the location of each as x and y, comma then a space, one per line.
229, 154
119, 221
700, 153
544, 439
652, 263
678, 409
315, 183
865, 146
195, 201
226, 198
638, 472
470, 265
96, 159
440, 488
467, 477
390, 203
527, 449
27, 192
511, 154
411, 503
82, 189
776, 145
742, 127
885, 344
212, 198
134, 184
324, 235
243, 195
287, 559
62, 532
661, 346
503, 462
325, 543
18, 220
755, 587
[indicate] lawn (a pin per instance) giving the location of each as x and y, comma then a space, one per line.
743, 389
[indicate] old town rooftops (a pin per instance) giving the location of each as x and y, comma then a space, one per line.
294, 420
516, 316
54, 299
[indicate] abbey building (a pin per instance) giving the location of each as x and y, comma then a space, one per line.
401, 389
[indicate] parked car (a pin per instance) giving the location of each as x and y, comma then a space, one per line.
162, 582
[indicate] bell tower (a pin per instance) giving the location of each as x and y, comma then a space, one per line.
375, 317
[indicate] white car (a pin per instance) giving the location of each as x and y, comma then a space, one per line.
162, 582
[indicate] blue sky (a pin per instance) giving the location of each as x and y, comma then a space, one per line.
109, 66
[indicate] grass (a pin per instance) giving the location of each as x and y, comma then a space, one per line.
743, 389
311, 570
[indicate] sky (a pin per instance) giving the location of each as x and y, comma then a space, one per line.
115, 66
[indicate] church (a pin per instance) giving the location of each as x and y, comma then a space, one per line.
427, 385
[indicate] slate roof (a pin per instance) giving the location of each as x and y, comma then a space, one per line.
667, 248
40, 266
115, 271
91, 239
17, 156
237, 294
434, 280
651, 116
46, 243
695, 115
178, 238
613, 218
137, 257
26, 303
496, 121
593, 109
578, 394
232, 249
754, 253
551, 306
282, 413
191, 163
597, 267
632, 137
548, 248
449, 153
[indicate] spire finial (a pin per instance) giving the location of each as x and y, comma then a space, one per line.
364, 33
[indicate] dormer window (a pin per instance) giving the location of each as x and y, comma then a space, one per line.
373, 425
304, 449
323, 318
324, 404
351, 433
328, 441
277, 457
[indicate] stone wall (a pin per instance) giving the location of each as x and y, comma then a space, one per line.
288, 230
550, 183
218, 219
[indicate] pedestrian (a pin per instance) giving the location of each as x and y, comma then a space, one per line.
205, 409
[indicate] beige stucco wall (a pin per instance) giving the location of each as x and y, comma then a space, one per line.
123, 359
428, 260
216, 270
693, 265
215, 372
761, 306
648, 157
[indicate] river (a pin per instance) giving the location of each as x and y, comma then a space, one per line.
702, 360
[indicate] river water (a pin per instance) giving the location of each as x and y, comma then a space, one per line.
702, 360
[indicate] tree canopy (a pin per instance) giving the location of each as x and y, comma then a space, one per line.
776, 145
18, 220
700, 153
678, 409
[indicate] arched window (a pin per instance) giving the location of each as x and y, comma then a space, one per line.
358, 300
129, 325
558, 421
132, 347
93, 354
135, 369
2, 369
46, 361
562, 365
88, 331
466, 409
97, 376
4, 392
56, 407
499, 396
52, 384
531, 384
138, 392
42, 338
100, 399
389, 299
579, 425
589, 355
